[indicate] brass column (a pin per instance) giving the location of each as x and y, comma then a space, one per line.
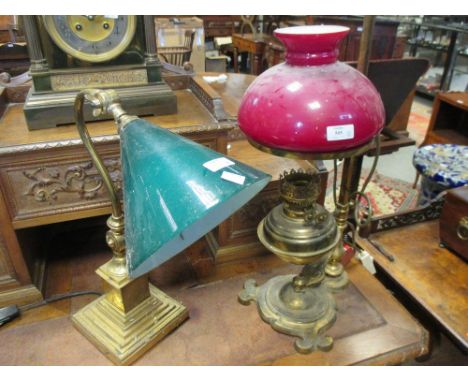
153, 65
38, 62
151, 54
337, 277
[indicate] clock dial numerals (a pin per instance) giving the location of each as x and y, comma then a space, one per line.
91, 38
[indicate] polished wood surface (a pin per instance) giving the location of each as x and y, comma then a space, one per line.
372, 327
13, 129
232, 90
434, 277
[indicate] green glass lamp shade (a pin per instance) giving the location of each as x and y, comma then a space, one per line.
175, 191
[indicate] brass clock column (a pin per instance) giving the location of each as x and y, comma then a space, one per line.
38, 63
71, 53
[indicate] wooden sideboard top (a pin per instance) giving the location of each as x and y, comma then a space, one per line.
191, 113
459, 99
435, 277
13, 129
231, 90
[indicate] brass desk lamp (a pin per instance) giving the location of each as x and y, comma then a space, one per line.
174, 192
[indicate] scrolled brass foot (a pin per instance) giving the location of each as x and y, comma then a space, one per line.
307, 345
302, 232
306, 313
249, 293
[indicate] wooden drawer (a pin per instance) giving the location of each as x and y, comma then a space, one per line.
57, 189
248, 45
453, 224
61, 183
219, 31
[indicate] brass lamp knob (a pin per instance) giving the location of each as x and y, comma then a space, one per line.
462, 229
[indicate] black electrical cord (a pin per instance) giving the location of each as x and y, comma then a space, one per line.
57, 297
10, 312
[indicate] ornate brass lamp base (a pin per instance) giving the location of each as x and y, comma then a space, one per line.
335, 284
299, 231
336, 277
306, 313
129, 319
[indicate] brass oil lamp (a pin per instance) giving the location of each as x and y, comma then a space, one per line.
311, 107
301, 232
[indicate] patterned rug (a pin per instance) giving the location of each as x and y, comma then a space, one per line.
387, 195
417, 126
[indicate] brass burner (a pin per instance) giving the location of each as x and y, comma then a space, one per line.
299, 231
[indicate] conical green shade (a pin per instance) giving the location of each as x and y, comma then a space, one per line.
170, 198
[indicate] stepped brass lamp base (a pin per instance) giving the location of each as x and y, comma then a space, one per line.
124, 337
130, 318
306, 313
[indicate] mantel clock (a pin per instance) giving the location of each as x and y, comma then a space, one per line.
70, 53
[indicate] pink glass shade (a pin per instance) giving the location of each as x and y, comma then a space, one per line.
311, 103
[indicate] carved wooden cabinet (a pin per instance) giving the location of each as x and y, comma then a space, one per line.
46, 176
236, 237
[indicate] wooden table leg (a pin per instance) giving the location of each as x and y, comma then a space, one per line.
235, 58
15, 282
256, 64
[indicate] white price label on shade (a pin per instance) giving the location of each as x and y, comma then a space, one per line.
340, 132
234, 178
217, 164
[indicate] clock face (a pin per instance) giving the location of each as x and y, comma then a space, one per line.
91, 38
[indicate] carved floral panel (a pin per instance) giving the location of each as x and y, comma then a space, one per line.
48, 187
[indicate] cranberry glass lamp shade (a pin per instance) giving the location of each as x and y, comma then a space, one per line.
311, 103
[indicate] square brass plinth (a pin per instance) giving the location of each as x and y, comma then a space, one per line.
124, 337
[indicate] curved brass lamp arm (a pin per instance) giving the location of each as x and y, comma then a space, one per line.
106, 102
93, 96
